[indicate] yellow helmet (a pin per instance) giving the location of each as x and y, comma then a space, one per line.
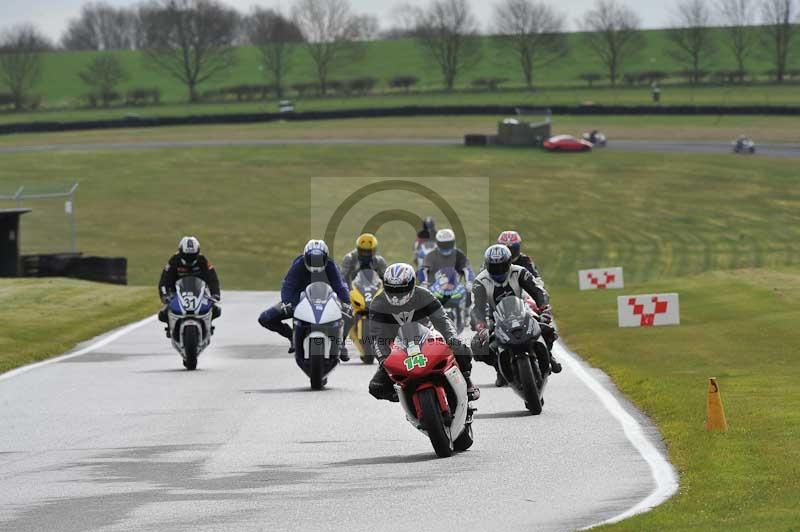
367, 242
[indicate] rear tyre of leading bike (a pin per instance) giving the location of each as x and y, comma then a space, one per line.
434, 424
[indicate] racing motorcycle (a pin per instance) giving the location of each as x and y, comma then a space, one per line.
597, 138
522, 355
318, 332
189, 319
431, 388
365, 287
744, 145
452, 294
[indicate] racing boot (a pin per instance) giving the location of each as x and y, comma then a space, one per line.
473, 392
381, 387
555, 367
500, 381
344, 356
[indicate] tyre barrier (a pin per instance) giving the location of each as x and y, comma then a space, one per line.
388, 112
113, 270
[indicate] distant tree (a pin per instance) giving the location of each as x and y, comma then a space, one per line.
613, 34
276, 39
738, 17
190, 40
102, 76
691, 36
403, 24
403, 82
331, 33
779, 19
448, 33
368, 27
101, 27
532, 30
21, 62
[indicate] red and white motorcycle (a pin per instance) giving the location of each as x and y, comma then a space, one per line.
431, 388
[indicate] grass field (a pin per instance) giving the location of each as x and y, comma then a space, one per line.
558, 83
711, 95
657, 214
776, 129
45, 317
738, 326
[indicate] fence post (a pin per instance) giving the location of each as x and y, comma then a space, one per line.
72, 231
18, 197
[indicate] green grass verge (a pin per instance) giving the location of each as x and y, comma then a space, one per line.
46, 317
738, 326
710, 95
658, 215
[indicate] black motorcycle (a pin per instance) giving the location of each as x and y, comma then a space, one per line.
522, 355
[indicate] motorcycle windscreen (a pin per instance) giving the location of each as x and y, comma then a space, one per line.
367, 281
190, 292
509, 309
412, 334
321, 301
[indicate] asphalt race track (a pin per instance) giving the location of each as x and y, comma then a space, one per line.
122, 438
664, 146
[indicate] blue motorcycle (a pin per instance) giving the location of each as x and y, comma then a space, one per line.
189, 319
452, 294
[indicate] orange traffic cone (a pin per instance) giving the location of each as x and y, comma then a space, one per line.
715, 417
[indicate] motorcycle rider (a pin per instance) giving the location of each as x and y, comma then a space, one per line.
403, 302
311, 266
446, 255
499, 279
513, 242
187, 262
426, 233
364, 257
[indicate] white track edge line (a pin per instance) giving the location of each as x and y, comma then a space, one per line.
112, 337
663, 473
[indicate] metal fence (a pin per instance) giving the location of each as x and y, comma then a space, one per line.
49, 228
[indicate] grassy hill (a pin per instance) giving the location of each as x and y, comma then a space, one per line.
61, 87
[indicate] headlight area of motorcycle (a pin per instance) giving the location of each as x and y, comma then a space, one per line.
501, 334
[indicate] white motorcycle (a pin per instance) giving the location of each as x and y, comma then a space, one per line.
318, 332
189, 319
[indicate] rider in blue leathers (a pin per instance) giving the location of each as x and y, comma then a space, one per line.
312, 266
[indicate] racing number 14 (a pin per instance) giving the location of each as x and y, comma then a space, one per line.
414, 361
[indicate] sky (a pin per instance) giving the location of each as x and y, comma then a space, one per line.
51, 16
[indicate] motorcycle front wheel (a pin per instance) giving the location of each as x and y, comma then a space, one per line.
434, 424
528, 381
191, 343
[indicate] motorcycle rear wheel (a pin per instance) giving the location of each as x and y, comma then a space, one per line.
528, 381
191, 342
434, 424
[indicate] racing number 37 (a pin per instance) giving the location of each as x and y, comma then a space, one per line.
414, 361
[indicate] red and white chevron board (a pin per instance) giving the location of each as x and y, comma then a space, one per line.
649, 310
600, 279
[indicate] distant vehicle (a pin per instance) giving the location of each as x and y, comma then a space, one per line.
597, 138
567, 143
744, 145
190, 319
285, 106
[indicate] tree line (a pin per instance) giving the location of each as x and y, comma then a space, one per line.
195, 41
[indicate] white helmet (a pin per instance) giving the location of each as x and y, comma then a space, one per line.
446, 241
315, 255
399, 281
189, 250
